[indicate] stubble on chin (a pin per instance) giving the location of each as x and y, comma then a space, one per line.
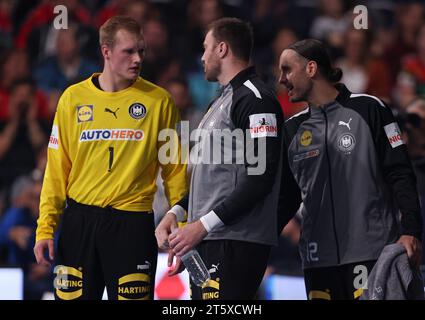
211, 75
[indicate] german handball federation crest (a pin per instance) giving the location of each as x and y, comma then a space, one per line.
137, 111
346, 142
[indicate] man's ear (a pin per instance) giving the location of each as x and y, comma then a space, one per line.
223, 49
311, 69
106, 51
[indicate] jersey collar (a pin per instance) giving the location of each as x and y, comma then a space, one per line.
242, 76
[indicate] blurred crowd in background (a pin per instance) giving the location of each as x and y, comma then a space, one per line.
37, 62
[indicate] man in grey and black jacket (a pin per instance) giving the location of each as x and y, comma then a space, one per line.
232, 205
352, 175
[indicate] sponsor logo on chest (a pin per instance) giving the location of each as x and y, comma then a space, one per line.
111, 134
85, 113
306, 138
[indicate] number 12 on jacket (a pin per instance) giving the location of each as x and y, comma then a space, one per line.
312, 251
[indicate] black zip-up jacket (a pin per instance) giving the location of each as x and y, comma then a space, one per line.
245, 202
354, 177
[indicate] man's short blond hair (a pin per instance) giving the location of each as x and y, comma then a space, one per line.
110, 28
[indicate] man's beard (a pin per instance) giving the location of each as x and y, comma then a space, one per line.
213, 72
303, 96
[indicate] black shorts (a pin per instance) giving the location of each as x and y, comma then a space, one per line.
236, 269
101, 247
337, 283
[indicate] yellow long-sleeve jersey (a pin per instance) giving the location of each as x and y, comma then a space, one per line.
103, 151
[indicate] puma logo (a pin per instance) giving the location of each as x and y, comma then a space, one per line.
113, 112
347, 124
145, 266
214, 268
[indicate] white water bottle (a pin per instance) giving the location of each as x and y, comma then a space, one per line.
196, 268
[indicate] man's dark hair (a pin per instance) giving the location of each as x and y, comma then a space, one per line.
236, 33
314, 50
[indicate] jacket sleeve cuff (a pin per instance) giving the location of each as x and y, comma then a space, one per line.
211, 221
43, 236
179, 212
411, 225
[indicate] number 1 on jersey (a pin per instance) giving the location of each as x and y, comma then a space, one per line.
111, 158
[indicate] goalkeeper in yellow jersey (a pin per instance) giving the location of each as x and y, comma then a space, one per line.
101, 173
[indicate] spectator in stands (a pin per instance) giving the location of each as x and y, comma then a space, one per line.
264, 16
332, 23
17, 234
409, 18
179, 90
139, 10
411, 80
14, 66
22, 134
6, 27
362, 72
283, 39
17, 225
68, 66
111, 8
38, 33
158, 58
200, 14
354, 61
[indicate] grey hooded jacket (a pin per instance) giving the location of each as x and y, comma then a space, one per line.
244, 197
352, 175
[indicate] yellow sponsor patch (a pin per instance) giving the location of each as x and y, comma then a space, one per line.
306, 138
85, 113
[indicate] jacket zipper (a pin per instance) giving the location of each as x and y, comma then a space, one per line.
210, 111
205, 119
331, 188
